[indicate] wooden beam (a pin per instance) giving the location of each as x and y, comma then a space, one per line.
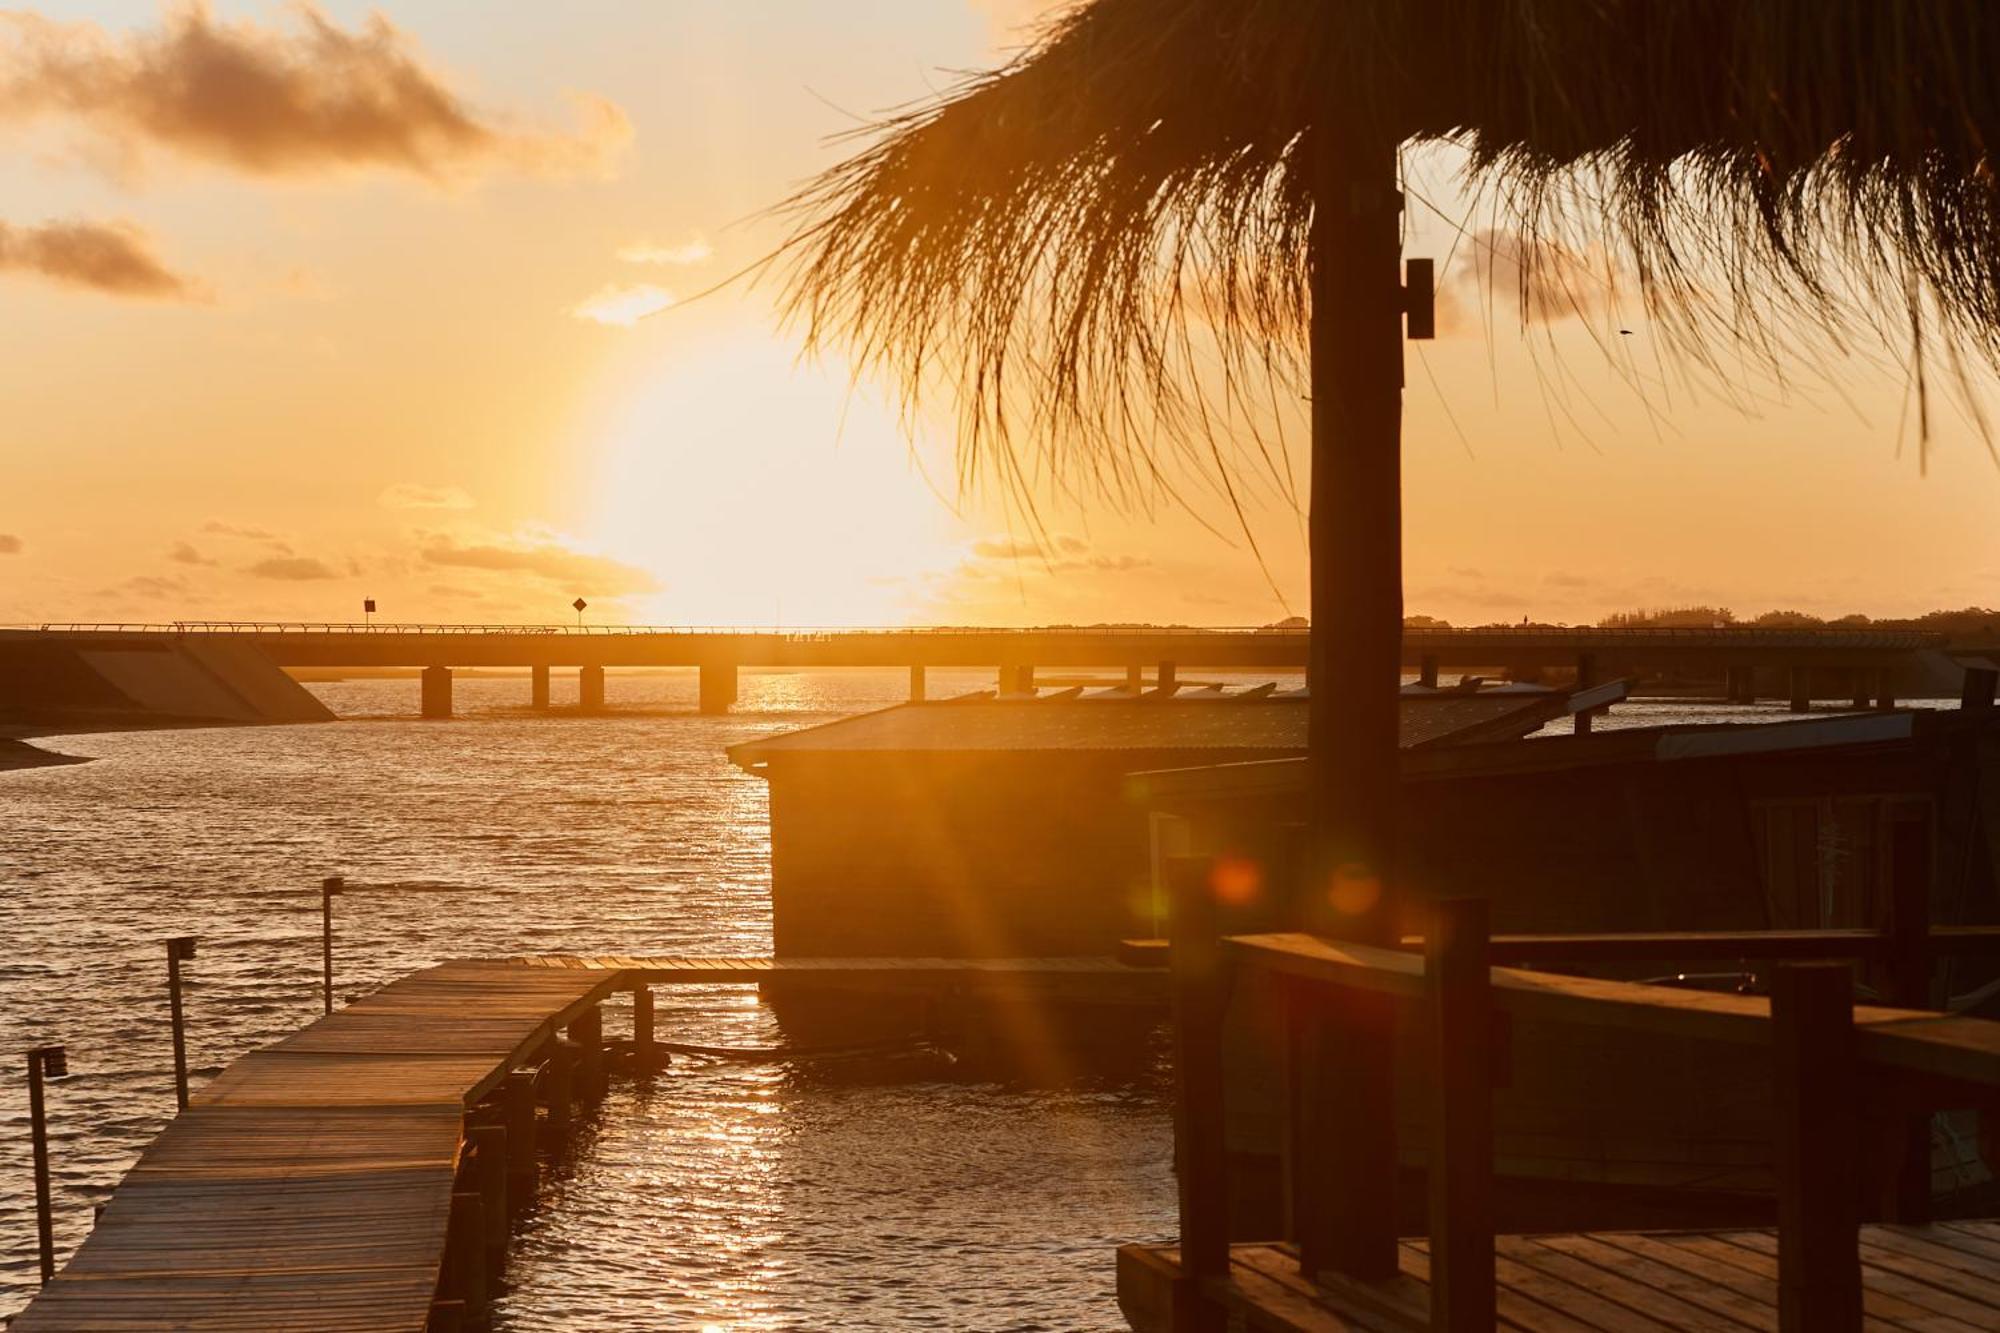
1200, 1152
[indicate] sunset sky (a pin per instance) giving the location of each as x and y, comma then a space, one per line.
306, 304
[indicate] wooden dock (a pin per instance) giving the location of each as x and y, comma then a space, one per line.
358, 1176
1943, 1278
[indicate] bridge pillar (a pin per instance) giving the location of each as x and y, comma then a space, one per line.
590, 689
1135, 678
1017, 679
1167, 682
1427, 670
1863, 695
1801, 689
1885, 688
435, 692
718, 686
538, 687
1741, 686
916, 684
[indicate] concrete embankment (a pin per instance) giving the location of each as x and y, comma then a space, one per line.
56, 687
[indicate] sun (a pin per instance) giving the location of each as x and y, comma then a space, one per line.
761, 491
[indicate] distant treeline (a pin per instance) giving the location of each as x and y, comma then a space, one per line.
1973, 624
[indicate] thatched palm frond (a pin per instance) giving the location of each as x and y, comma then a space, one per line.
1067, 240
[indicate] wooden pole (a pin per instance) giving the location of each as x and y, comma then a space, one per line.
181, 946
1819, 1234
587, 1031
1907, 1140
327, 889
489, 1170
38, 1132
1200, 1151
517, 1097
556, 1092
465, 1255
1457, 977
1352, 759
642, 1026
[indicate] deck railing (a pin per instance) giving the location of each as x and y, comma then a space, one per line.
1341, 1138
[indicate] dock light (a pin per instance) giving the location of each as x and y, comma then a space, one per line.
180, 949
49, 1063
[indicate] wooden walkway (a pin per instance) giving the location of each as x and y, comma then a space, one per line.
1943, 1278
310, 1188
1097, 980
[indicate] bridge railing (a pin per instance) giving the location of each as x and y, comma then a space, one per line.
1414, 638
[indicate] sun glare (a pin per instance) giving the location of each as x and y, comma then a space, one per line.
759, 490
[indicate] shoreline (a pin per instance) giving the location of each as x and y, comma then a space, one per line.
17, 755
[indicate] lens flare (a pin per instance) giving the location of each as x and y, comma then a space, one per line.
1236, 881
1355, 889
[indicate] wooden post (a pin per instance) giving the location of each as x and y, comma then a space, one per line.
1352, 761
327, 889
1427, 670
1135, 678
1863, 696
916, 684
1199, 1148
538, 686
1801, 689
1164, 678
1819, 1235
446, 1317
1885, 689
489, 1170
1906, 1142
38, 1134
1457, 978
557, 1077
517, 1096
642, 1026
587, 1031
1976, 693
178, 948
465, 1255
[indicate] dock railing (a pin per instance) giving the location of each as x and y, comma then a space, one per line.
1341, 1138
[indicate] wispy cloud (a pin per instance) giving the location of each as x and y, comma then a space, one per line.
184, 553
578, 571
624, 306
307, 98
222, 529
113, 258
691, 251
9, 544
410, 495
292, 569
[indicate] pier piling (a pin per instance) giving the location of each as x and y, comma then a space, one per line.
538, 686
642, 1027
1801, 678
517, 1103
1427, 670
465, 1257
179, 948
916, 684
489, 1172
590, 689
587, 1032
557, 1082
1135, 678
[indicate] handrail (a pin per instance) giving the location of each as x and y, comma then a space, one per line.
1966, 1050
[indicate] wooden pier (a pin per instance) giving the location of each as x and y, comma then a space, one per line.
359, 1175
1852, 1085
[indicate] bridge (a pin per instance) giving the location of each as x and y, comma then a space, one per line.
1866, 666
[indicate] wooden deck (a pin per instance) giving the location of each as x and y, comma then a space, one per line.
1943, 1278
310, 1185
1093, 980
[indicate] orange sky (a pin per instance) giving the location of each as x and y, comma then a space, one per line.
305, 306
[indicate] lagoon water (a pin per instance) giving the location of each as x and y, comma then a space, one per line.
717, 1196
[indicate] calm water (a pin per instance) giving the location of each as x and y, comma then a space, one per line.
730, 1197
724, 1197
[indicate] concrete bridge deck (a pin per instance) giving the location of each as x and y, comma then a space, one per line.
1814, 662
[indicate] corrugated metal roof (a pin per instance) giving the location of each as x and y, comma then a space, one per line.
1026, 725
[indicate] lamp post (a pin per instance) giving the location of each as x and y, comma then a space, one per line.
327, 889
44, 1062
180, 949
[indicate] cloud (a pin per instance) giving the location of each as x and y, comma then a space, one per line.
309, 98
154, 587
409, 495
292, 569
624, 306
221, 529
692, 251
1013, 548
576, 571
9, 544
185, 554
114, 258
1541, 281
